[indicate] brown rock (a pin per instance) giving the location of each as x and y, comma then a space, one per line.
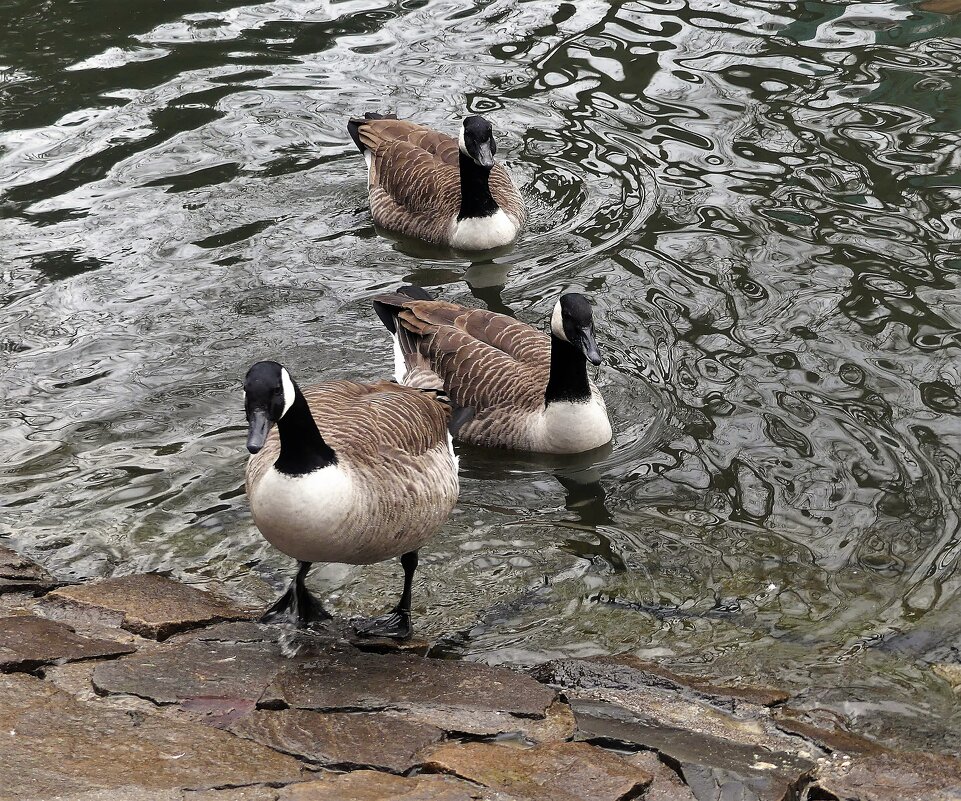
55, 745
712, 767
133, 793
826, 735
667, 785
894, 776
353, 680
177, 671
552, 772
20, 574
152, 605
365, 785
942, 6
626, 671
557, 725
377, 740
26, 642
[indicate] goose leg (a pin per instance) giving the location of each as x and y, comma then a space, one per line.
297, 605
395, 625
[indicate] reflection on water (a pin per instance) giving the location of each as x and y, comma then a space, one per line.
761, 197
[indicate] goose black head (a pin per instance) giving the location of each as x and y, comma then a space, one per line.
269, 392
573, 322
477, 141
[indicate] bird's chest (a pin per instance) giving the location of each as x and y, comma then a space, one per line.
483, 233
575, 427
293, 512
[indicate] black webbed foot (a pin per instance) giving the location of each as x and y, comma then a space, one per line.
297, 605
394, 625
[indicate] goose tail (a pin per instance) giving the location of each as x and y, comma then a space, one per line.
354, 123
411, 367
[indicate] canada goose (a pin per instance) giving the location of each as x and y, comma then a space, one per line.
428, 185
515, 387
377, 483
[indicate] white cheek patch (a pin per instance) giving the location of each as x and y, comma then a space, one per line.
557, 323
289, 392
462, 144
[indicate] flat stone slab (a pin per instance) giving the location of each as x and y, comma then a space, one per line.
348, 740
365, 785
551, 772
54, 745
27, 642
712, 767
894, 776
152, 605
19, 574
134, 793
361, 681
667, 785
626, 672
220, 674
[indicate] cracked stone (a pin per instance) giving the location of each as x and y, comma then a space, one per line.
365, 785
626, 672
350, 679
894, 776
27, 642
825, 733
377, 740
558, 724
151, 605
194, 669
55, 745
18, 573
667, 785
134, 793
551, 772
712, 767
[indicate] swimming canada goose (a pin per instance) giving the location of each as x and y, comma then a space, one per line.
428, 185
514, 386
346, 472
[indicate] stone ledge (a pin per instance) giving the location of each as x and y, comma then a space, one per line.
151, 605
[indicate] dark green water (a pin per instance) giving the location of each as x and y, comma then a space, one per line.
763, 199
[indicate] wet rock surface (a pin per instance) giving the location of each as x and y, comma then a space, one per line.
372, 786
628, 672
237, 711
710, 766
19, 574
553, 772
27, 642
351, 679
54, 744
152, 605
386, 741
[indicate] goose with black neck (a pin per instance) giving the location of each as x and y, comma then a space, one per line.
346, 472
514, 387
430, 186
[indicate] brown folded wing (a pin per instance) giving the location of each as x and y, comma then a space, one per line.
484, 359
369, 426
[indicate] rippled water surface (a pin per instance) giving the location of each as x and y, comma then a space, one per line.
763, 199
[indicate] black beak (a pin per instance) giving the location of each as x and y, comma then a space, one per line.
484, 156
259, 428
589, 346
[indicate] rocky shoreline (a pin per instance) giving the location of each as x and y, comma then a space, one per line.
141, 688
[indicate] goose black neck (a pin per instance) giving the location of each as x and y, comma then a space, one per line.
568, 379
475, 192
302, 448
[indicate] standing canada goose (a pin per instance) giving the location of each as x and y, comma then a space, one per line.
428, 185
353, 473
515, 387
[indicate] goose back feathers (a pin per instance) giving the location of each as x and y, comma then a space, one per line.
389, 482
426, 184
524, 389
